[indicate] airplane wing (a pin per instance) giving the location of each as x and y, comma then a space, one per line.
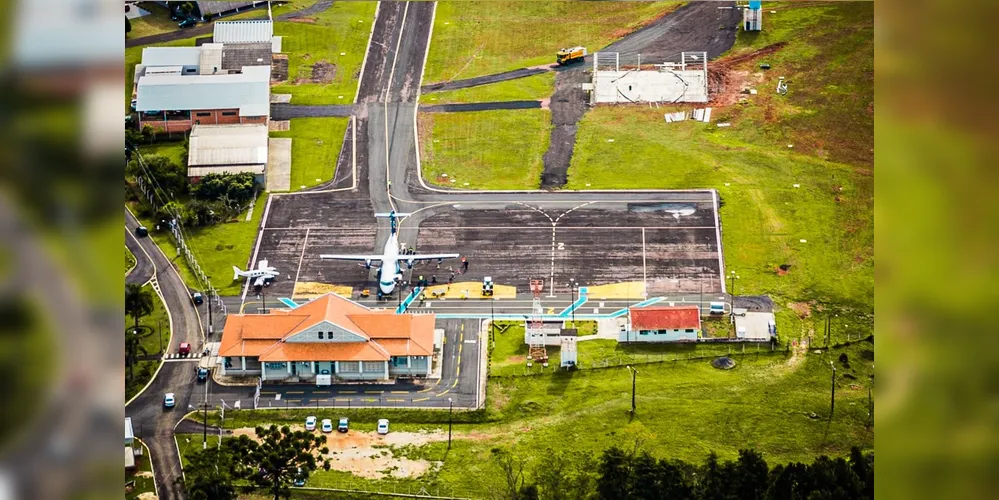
262, 264
428, 256
259, 281
351, 257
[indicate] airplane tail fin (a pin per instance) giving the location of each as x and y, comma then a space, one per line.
235, 273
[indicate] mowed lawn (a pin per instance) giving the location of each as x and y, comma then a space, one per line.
315, 147
535, 87
484, 149
479, 38
325, 53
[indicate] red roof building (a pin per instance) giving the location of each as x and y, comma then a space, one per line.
663, 324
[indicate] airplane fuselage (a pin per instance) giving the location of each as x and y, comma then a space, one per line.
390, 269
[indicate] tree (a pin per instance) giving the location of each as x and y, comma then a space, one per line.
512, 469
166, 174
234, 189
128, 25
209, 475
138, 302
133, 344
281, 457
615, 474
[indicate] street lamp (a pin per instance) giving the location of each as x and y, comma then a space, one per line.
634, 372
204, 442
572, 287
450, 411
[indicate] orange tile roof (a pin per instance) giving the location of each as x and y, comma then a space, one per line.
349, 351
384, 331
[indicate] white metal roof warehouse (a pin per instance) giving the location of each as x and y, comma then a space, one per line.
227, 149
243, 31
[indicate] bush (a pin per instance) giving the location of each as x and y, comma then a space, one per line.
230, 189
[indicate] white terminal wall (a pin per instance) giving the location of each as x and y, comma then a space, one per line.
650, 86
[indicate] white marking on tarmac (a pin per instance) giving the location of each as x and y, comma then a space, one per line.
301, 257
645, 277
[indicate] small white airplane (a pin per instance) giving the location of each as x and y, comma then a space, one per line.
263, 273
390, 272
677, 212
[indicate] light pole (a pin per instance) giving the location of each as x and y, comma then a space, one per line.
450, 411
634, 372
204, 442
572, 287
211, 327
731, 291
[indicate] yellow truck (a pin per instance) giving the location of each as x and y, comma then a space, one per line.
571, 55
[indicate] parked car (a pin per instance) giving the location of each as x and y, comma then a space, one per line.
310, 423
187, 23
202, 374
169, 400
383, 426
327, 425
343, 425
184, 348
197, 298
299, 477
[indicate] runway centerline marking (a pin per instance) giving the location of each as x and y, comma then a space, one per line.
645, 277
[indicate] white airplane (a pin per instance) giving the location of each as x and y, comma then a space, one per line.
390, 272
263, 272
677, 212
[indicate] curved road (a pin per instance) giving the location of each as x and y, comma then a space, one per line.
151, 422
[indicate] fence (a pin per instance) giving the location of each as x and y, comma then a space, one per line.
152, 193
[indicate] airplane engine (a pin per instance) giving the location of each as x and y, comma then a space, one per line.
367, 263
409, 263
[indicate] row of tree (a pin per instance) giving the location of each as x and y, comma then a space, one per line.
215, 198
622, 475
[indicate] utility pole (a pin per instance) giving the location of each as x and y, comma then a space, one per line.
870, 401
492, 321
828, 329
159, 332
211, 297
450, 411
832, 391
634, 372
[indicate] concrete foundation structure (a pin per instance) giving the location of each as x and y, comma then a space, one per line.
630, 81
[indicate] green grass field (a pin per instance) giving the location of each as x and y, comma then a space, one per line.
158, 21
479, 38
217, 248
686, 409
159, 321
485, 149
315, 146
129, 261
173, 150
533, 87
343, 29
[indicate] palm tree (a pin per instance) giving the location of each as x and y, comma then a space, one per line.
133, 344
138, 302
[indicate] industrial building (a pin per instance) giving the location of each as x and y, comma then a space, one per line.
228, 149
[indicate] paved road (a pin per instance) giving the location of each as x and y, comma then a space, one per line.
152, 423
283, 111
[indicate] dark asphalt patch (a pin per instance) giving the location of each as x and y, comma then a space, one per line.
282, 111
483, 80
480, 106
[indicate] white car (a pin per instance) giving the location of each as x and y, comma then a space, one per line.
383, 426
169, 400
310, 423
327, 425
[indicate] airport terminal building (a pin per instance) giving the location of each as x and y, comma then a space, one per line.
329, 339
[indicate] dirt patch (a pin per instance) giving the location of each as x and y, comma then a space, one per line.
728, 85
279, 125
303, 20
143, 473
802, 309
149, 495
516, 359
369, 454
322, 72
